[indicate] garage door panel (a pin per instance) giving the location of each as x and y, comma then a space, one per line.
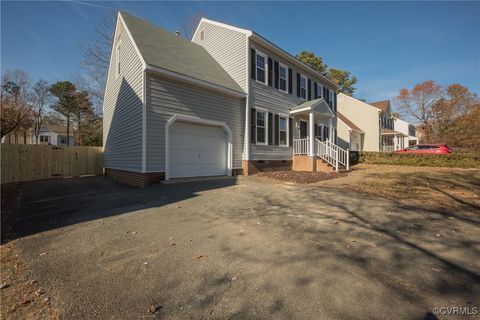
197, 150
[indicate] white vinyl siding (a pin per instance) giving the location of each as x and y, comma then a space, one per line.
122, 108
228, 47
166, 97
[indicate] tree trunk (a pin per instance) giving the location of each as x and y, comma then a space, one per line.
68, 130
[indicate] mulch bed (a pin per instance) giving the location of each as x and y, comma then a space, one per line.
302, 177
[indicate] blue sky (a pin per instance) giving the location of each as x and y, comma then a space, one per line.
386, 45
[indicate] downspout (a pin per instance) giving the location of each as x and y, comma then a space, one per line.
247, 101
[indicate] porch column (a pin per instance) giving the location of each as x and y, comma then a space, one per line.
311, 134
395, 142
330, 130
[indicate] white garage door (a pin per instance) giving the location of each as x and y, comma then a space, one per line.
197, 150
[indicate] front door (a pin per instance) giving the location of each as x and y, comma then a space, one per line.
303, 129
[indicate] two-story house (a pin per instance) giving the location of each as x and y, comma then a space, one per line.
227, 102
390, 139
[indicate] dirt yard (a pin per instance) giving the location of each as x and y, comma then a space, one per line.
301, 177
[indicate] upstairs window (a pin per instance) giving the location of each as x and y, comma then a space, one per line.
282, 77
261, 67
261, 126
319, 91
303, 87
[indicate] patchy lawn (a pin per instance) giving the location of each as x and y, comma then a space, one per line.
423, 187
21, 296
303, 177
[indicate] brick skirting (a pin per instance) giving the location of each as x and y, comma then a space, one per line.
254, 166
135, 179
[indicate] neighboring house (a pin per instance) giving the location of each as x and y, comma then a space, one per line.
50, 134
390, 138
408, 130
365, 117
227, 102
349, 135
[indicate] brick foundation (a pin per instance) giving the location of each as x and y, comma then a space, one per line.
254, 166
135, 179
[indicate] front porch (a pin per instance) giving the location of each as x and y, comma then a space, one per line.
314, 147
391, 140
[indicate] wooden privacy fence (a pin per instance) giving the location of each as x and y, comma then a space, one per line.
35, 162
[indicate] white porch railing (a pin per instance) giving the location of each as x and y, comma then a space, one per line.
326, 150
387, 148
301, 146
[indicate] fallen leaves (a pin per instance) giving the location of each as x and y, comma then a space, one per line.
197, 258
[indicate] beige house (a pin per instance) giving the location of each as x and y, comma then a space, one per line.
373, 124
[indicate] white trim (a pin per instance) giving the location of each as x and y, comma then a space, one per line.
266, 66
196, 120
312, 107
196, 81
247, 103
223, 25
287, 131
306, 84
144, 65
265, 126
144, 122
118, 65
281, 65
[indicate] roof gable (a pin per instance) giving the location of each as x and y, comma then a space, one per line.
162, 49
383, 105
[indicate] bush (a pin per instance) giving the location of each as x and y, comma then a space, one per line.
454, 160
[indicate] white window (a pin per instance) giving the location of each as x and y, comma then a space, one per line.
261, 67
117, 58
319, 91
303, 87
262, 127
331, 99
282, 77
283, 131
44, 139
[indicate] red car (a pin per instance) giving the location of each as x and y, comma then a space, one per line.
427, 148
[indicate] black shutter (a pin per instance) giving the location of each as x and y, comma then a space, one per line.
253, 63
335, 101
270, 129
315, 130
315, 88
298, 84
290, 82
325, 94
309, 89
290, 132
270, 72
275, 69
277, 130
253, 125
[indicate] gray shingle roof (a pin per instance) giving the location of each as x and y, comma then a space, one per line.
164, 49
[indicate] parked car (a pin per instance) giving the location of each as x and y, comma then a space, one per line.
427, 148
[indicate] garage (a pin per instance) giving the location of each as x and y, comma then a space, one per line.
197, 150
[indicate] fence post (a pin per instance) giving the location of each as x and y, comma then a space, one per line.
348, 159
336, 160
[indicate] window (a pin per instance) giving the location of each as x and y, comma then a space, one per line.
117, 58
63, 139
44, 138
202, 34
282, 77
319, 91
261, 67
331, 99
303, 87
261, 126
283, 131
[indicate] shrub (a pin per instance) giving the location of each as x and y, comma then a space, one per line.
454, 160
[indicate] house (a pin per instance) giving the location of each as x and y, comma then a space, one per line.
377, 128
227, 102
409, 130
390, 139
50, 134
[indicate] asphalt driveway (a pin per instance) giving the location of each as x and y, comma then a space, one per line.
243, 249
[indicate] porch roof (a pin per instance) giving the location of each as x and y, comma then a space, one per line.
389, 132
319, 106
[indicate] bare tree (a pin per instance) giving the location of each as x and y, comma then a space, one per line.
14, 99
419, 103
95, 60
41, 97
191, 24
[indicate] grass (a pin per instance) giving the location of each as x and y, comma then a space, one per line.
423, 187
